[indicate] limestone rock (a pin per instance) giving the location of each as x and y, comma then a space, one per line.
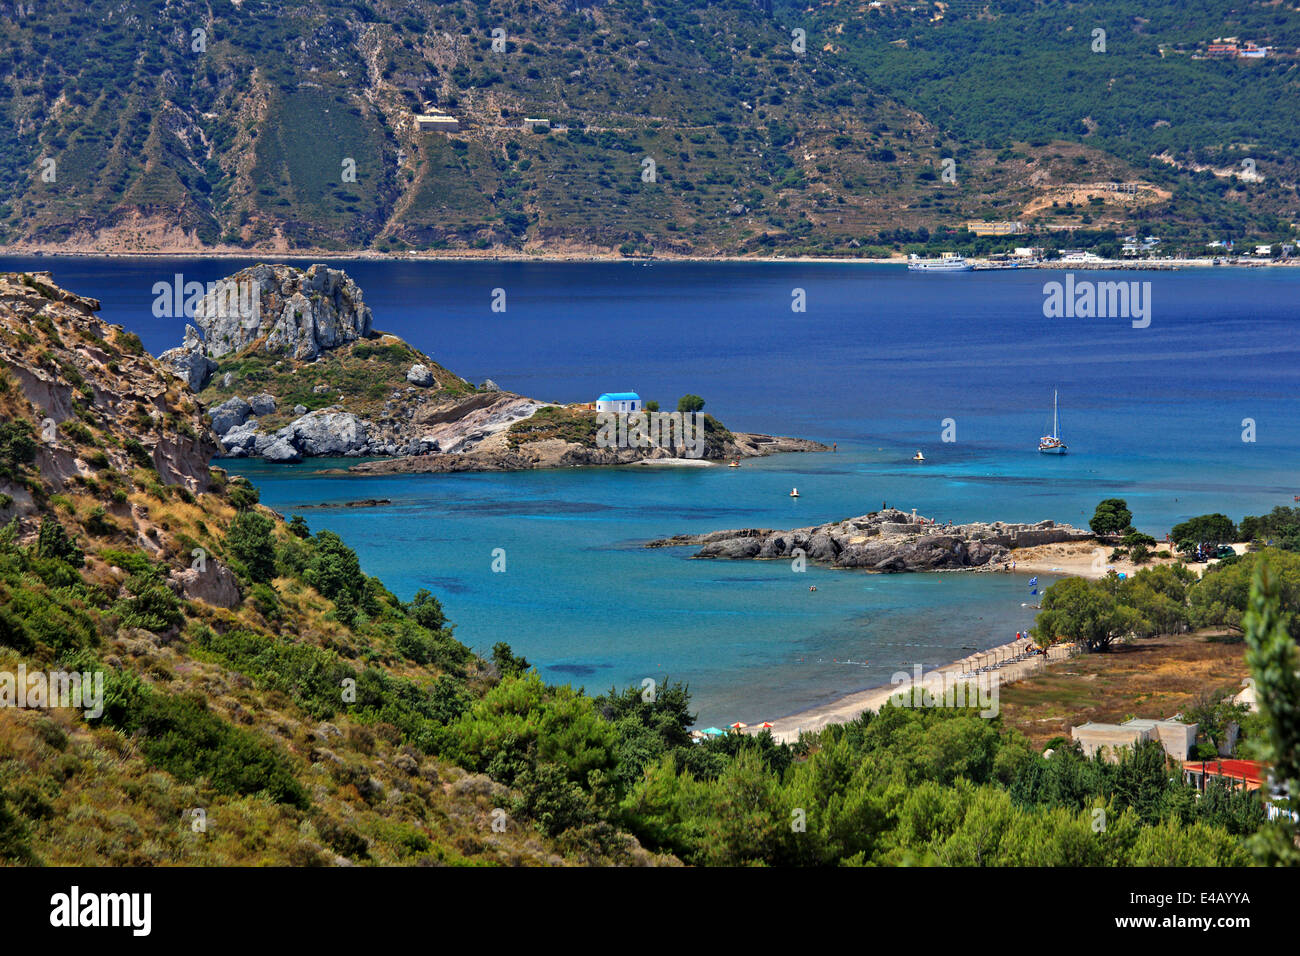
239, 441
420, 375
296, 312
191, 365
889, 540
229, 414
262, 404
281, 449
215, 584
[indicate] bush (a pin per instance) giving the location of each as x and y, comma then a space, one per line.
152, 604
183, 737
53, 542
251, 542
17, 448
426, 610
243, 496
139, 454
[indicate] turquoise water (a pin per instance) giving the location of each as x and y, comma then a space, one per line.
877, 362
582, 599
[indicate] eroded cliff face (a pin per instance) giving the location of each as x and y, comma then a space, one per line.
94, 402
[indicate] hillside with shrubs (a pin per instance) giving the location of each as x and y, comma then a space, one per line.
268, 702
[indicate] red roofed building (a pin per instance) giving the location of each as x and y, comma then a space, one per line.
1235, 773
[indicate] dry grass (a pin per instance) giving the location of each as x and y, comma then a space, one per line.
1149, 678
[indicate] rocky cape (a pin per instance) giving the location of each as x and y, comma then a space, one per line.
554, 453
883, 541
260, 337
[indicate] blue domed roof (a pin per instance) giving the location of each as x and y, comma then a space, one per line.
619, 397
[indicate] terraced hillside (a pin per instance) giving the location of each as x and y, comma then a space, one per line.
177, 125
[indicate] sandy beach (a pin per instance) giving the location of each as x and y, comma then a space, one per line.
1079, 559
1088, 559
847, 708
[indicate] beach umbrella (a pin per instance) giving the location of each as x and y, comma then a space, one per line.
767, 725
739, 726
712, 731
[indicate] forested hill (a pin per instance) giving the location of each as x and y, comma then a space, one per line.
277, 126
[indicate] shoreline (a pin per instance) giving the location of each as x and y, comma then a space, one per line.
265, 255
849, 707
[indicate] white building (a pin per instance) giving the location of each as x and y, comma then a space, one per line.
1174, 736
437, 121
534, 124
619, 402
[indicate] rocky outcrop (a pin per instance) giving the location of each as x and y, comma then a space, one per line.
263, 404
190, 362
215, 584
380, 406
420, 375
231, 413
80, 383
889, 540
275, 308
493, 454
327, 433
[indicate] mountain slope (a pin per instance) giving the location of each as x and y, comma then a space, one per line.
251, 671
154, 125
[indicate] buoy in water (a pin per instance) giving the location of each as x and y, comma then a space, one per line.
794, 492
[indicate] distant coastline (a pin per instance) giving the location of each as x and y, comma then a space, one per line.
469, 255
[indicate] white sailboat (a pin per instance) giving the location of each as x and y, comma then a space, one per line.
1051, 444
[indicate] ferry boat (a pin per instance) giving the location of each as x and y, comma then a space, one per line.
948, 262
1052, 444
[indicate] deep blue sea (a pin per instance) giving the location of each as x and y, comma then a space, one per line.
877, 362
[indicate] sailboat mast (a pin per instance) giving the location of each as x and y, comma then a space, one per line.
1056, 425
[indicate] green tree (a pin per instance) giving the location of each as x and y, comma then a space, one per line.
53, 542
1213, 715
334, 570
690, 403
508, 664
252, 543
1209, 530
1273, 660
427, 610
17, 448
1111, 517
1089, 612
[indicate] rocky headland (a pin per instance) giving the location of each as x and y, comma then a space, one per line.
289, 365
883, 541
